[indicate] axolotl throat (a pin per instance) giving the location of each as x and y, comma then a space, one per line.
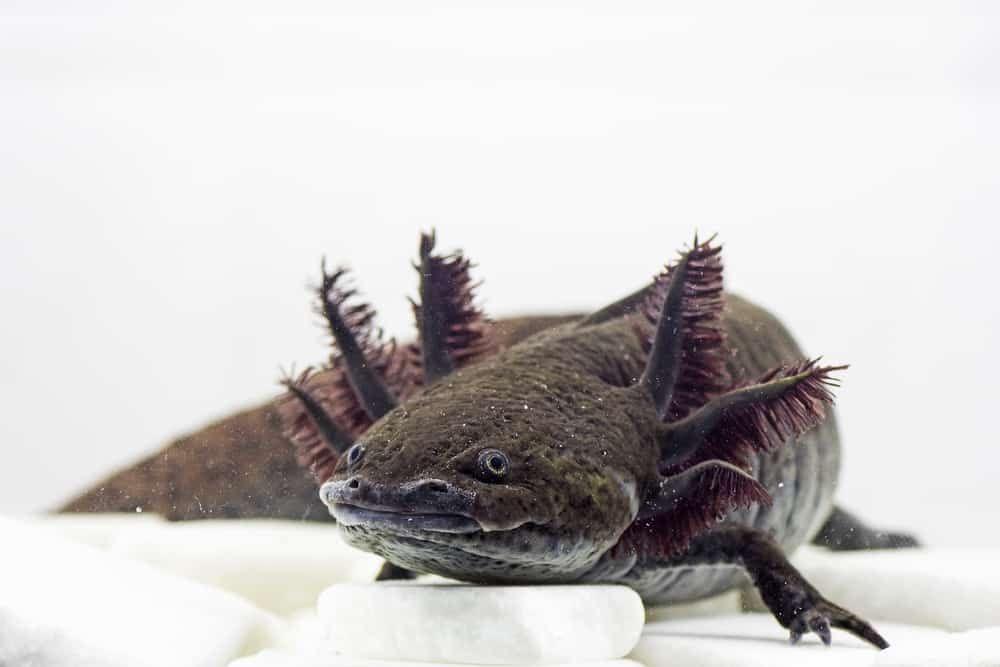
677, 428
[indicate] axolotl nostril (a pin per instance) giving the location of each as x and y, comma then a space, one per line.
671, 442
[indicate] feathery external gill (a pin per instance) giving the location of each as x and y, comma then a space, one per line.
351, 328
367, 375
452, 330
333, 389
318, 440
686, 505
758, 417
685, 366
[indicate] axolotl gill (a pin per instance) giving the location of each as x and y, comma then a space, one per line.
675, 442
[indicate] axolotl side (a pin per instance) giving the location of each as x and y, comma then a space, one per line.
674, 442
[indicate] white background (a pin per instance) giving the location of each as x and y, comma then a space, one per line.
169, 180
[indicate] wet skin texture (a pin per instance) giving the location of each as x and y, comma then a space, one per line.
582, 448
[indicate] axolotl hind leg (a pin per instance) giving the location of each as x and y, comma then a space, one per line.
392, 572
845, 532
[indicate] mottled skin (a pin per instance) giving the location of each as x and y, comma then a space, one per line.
239, 467
582, 444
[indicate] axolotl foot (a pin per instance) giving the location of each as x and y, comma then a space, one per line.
795, 603
813, 613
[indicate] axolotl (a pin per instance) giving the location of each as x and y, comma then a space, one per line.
674, 441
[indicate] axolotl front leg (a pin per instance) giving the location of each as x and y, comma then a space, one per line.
795, 603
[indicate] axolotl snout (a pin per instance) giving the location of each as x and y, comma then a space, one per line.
674, 429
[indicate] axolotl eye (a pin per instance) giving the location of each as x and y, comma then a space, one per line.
493, 466
354, 454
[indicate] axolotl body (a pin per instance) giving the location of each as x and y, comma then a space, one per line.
674, 442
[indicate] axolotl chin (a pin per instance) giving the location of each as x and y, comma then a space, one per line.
674, 441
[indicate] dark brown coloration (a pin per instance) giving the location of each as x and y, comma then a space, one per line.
559, 423
579, 494
243, 466
238, 467
575, 451
843, 531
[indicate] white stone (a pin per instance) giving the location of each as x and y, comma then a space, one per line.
482, 624
976, 648
950, 589
271, 658
98, 530
60, 595
26, 642
757, 640
66, 604
730, 602
281, 566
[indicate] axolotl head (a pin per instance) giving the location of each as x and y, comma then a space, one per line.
525, 467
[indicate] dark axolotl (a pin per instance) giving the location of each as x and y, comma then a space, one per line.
673, 442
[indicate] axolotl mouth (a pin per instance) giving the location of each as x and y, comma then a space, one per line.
409, 509
430, 525
353, 515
